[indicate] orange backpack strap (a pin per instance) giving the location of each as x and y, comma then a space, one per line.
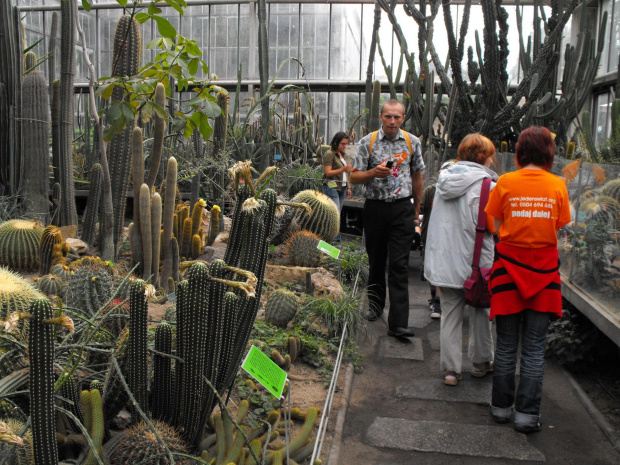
373, 138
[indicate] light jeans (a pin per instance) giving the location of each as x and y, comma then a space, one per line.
530, 327
480, 348
337, 196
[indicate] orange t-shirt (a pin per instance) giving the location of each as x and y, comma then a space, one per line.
533, 204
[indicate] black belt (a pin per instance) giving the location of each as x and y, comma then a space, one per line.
401, 199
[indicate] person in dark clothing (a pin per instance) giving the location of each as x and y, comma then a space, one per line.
389, 163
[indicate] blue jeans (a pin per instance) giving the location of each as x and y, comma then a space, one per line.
337, 196
531, 328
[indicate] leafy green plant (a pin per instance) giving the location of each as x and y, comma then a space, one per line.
333, 315
298, 177
353, 260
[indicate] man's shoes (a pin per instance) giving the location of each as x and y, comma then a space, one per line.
399, 331
435, 309
525, 429
370, 316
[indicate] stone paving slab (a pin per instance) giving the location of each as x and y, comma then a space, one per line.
451, 438
419, 317
472, 391
409, 348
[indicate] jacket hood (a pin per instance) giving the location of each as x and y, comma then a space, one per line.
458, 178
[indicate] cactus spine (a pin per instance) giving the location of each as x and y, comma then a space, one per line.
93, 421
68, 12
94, 199
167, 220
50, 238
41, 382
126, 61
281, 308
302, 249
137, 344
324, 220
35, 130
162, 373
159, 128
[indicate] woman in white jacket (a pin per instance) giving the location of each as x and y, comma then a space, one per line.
449, 253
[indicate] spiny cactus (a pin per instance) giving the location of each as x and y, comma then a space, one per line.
146, 231
16, 293
50, 238
197, 211
92, 403
127, 53
68, 13
196, 246
302, 249
137, 344
91, 216
50, 285
62, 271
35, 129
19, 244
55, 117
162, 373
159, 128
324, 220
89, 288
587, 134
156, 217
138, 443
281, 308
214, 225
612, 189
56, 201
374, 122
167, 222
41, 383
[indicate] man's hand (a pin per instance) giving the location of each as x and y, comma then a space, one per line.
380, 171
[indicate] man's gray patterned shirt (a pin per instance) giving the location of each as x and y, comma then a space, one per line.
398, 184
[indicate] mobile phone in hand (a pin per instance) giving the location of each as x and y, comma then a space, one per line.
389, 164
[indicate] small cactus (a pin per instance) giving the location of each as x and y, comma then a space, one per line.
281, 308
302, 249
62, 271
214, 225
50, 285
49, 239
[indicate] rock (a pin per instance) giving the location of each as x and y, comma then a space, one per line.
122, 420
78, 245
326, 285
68, 231
288, 274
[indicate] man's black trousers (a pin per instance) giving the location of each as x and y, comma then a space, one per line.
389, 229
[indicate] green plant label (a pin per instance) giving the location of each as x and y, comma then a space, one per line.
265, 371
328, 249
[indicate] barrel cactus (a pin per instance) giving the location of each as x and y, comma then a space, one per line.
138, 443
50, 284
612, 189
19, 244
281, 308
16, 293
324, 220
302, 249
89, 288
62, 271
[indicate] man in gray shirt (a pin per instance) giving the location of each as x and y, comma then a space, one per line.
389, 163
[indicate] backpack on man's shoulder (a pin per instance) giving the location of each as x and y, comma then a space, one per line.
373, 138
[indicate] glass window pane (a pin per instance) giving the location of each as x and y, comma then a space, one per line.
345, 42
614, 43
315, 40
602, 118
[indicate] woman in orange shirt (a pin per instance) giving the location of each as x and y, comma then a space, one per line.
528, 207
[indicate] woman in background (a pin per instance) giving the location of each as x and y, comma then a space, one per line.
528, 206
336, 171
449, 252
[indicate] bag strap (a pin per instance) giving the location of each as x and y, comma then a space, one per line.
482, 220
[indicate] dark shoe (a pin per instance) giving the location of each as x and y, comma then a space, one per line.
370, 316
398, 331
435, 309
481, 369
525, 429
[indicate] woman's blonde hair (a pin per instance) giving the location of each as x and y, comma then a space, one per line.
476, 148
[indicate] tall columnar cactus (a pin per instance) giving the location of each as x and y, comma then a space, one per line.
70, 391
41, 382
374, 122
94, 200
16, 293
302, 249
162, 374
167, 221
324, 220
55, 116
186, 238
137, 172
156, 216
50, 238
586, 126
159, 129
68, 13
19, 244
126, 62
137, 344
92, 404
56, 201
35, 130
146, 231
